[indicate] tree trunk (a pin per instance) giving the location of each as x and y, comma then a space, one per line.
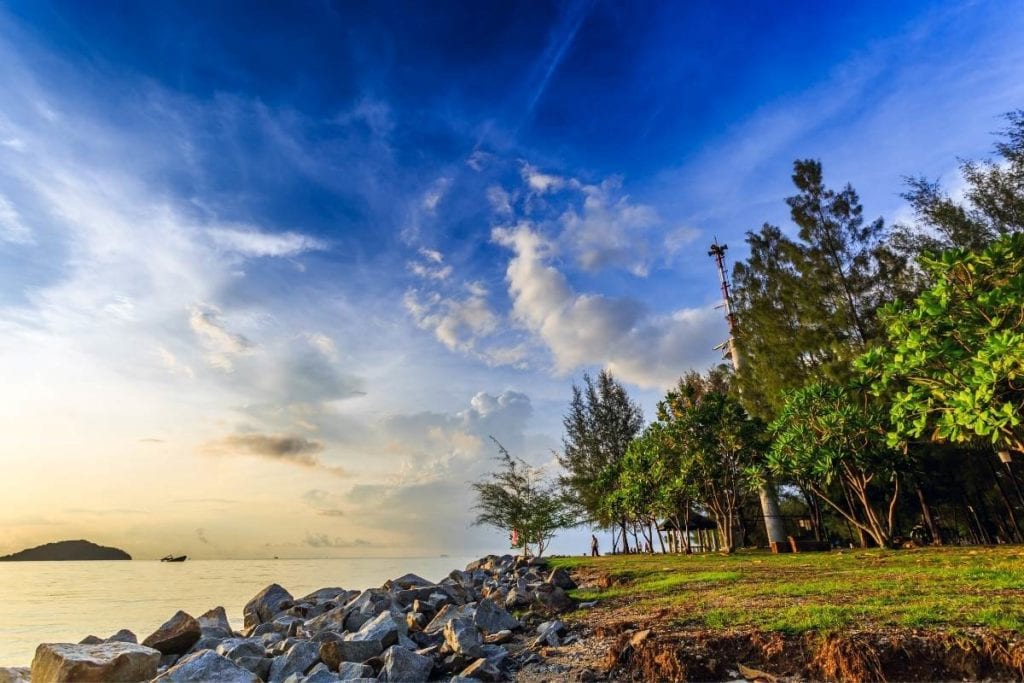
926, 512
625, 538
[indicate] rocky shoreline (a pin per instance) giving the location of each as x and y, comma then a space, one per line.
488, 622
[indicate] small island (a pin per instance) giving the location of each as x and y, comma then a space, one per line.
67, 551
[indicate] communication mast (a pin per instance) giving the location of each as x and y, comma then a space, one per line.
773, 525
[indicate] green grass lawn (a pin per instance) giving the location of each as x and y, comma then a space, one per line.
933, 587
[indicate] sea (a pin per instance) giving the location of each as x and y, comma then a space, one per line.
66, 601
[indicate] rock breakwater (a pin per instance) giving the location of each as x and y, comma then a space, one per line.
479, 623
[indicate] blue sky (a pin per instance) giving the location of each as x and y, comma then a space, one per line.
270, 278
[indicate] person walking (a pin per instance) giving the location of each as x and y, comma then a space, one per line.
593, 546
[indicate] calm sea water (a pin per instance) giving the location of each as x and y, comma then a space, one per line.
66, 601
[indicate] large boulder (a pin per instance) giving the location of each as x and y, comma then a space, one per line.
335, 652
266, 604
122, 636
481, 670
206, 666
446, 614
490, 618
334, 593
463, 638
559, 577
331, 620
215, 623
553, 599
14, 674
383, 628
55, 662
299, 659
176, 635
235, 648
351, 670
408, 581
405, 665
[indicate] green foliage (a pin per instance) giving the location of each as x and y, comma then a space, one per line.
600, 424
518, 497
805, 307
712, 445
953, 364
828, 434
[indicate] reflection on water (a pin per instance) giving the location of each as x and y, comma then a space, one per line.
65, 601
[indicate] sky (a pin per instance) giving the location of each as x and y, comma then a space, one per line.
272, 276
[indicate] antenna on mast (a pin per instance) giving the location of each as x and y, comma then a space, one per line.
717, 251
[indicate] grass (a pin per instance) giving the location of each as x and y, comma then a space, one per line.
946, 588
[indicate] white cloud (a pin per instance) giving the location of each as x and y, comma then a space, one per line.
254, 243
543, 182
12, 227
433, 196
500, 200
220, 343
583, 329
609, 230
458, 323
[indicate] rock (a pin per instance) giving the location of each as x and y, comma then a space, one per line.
123, 636
97, 662
176, 635
518, 597
215, 623
481, 670
299, 659
490, 618
462, 637
447, 613
498, 638
383, 628
266, 604
205, 643
549, 634
235, 648
167, 661
333, 653
331, 620
415, 621
409, 581
258, 665
559, 577
90, 640
339, 595
424, 607
206, 667
553, 598
350, 670
405, 665
14, 674
496, 655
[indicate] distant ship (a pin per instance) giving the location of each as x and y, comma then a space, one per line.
174, 558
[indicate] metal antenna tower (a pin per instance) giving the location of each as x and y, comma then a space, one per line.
773, 525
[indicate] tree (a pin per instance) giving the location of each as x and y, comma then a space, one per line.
832, 435
600, 424
953, 362
517, 498
715, 446
805, 307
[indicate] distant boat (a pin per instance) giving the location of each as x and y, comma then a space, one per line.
174, 558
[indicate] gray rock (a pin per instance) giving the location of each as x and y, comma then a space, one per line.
553, 598
215, 623
266, 604
549, 633
299, 659
383, 628
333, 653
96, 662
498, 638
122, 636
331, 620
490, 618
90, 640
339, 595
176, 635
447, 613
206, 667
408, 581
14, 674
234, 648
405, 665
205, 643
481, 670
559, 577
415, 621
258, 665
350, 670
496, 655
463, 638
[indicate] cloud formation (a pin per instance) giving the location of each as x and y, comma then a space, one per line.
322, 540
255, 243
287, 448
583, 329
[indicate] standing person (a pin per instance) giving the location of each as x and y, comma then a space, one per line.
593, 546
